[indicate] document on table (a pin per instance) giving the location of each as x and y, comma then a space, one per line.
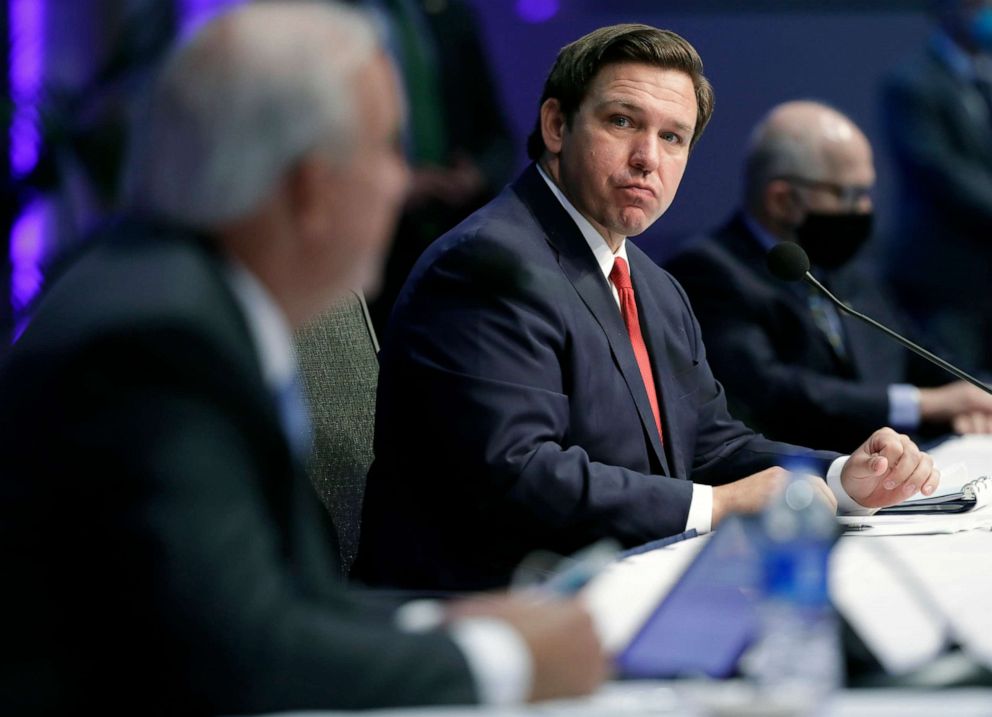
908, 597
959, 459
871, 526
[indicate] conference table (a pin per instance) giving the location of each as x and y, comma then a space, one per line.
665, 699
917, 590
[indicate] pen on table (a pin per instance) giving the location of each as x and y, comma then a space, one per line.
856, 528
569, 576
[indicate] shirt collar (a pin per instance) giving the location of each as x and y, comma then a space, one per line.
768, 241
764, 237
600, 249
268, 326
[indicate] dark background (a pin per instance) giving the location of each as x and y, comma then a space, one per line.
756, 52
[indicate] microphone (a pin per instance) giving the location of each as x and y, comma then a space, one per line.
788, 261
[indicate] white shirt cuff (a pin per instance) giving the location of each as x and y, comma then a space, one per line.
700, 509
904, 406
497, 657
846, 505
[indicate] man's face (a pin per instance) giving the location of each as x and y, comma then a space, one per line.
848, 180
362, 198
623, 157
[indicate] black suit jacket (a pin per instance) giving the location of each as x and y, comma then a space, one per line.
511, 413
940, 255
162, 551
782, 374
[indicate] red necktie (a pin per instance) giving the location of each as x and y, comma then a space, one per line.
620, 276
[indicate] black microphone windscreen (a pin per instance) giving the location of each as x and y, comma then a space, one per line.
788, 261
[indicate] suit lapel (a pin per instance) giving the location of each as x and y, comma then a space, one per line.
579, 265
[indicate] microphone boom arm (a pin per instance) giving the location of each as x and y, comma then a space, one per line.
919, 350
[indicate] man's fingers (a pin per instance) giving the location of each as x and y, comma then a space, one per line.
887, 469
918, 477
981, 422
963, 423
930, 485
903, 458
878, 454
878, 464
824, 491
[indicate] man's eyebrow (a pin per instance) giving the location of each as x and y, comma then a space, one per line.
625, 104
634, 107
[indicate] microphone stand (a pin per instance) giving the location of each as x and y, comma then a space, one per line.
919, 350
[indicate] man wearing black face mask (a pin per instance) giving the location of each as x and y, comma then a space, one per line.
793, 367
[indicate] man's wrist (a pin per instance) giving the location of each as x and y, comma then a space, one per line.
702, 509
846, 505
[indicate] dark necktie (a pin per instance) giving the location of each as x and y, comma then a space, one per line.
620, 276
827, 319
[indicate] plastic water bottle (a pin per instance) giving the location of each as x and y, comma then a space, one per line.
797, 659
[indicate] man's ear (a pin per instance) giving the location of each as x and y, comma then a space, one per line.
780, 202
307, 189
552, 125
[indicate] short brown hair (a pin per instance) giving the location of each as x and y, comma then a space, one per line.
579, 62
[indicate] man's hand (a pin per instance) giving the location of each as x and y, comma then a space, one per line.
567, 655
976, 422
752, 494
887, 469
967, 408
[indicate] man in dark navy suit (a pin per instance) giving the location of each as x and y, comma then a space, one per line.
793, 366
544, 383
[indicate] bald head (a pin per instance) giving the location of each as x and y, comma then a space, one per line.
799, 144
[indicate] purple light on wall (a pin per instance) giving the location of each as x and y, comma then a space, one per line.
537, 10
26, 21
26, 242
196, 12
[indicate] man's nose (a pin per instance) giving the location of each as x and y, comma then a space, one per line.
645, 153
864, 204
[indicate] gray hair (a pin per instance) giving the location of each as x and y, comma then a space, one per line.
237, 105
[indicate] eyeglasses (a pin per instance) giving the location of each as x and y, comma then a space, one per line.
850, 196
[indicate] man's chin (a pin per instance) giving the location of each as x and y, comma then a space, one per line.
635, 221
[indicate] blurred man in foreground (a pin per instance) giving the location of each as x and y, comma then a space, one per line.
794, 367
163, 549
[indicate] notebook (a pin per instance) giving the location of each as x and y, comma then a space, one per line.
973, 494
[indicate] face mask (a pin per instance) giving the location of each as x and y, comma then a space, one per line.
981, 29
830, 240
